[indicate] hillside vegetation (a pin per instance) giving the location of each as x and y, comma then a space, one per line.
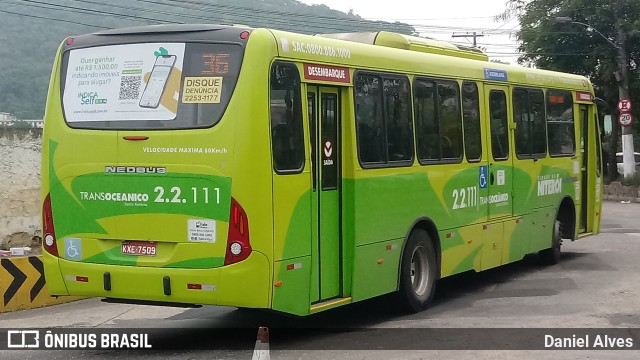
32, 30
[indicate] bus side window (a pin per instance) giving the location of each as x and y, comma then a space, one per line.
383, 117
427, 124
521, 117
397, 104
369, 117
438, 121
450, 119
529, 116
560, 123
287, 139
498, 123
471, 120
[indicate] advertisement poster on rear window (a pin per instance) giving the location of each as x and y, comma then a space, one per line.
124, 82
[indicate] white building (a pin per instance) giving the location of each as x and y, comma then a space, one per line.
8, 120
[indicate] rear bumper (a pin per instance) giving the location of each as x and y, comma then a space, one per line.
245, 284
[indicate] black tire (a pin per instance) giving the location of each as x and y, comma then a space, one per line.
418, 272
552, 255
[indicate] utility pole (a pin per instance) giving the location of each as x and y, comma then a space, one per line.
628, 157
474, 35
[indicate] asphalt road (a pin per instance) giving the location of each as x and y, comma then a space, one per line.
595, 286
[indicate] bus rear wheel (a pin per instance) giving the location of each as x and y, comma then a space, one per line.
418, 271
552, 255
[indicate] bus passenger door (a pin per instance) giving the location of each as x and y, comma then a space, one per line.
326, 254
500, 161
589, 155
500, 171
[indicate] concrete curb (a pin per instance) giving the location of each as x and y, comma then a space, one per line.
22, 285
628, 199
618, 192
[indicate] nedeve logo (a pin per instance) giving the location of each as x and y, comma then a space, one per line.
135, 170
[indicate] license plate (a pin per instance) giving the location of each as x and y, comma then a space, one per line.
139, 248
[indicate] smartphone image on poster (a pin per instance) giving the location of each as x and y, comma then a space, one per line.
157, 81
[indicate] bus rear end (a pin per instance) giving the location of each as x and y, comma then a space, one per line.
139, 160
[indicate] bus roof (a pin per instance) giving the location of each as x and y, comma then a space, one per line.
412, 43
383, 51
362, 54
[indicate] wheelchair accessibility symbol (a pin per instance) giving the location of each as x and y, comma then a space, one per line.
482, 180
72, 248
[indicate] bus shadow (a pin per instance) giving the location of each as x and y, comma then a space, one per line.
451, 291
228, 329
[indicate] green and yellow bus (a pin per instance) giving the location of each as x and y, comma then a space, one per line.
201, 164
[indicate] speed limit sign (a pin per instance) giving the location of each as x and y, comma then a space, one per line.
625, 119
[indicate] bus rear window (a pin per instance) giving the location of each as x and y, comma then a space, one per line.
149, 86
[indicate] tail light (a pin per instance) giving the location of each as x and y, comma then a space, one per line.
49, 233
238, 245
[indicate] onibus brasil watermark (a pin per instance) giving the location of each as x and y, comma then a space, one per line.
83, 339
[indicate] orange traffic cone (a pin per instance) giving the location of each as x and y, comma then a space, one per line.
261, 351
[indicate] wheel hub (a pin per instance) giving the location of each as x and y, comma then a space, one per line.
419, 271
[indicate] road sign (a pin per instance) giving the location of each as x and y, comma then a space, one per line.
624, 105
625, 119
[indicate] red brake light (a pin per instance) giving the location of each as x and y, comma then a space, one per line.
49, 239
235, 215
238, 245
244, 35
70, 41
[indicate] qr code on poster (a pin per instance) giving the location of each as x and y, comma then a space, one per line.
130, 87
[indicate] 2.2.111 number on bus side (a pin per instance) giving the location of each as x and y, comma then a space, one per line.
195, 196
465, 197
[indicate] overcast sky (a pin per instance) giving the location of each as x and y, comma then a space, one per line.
441, 19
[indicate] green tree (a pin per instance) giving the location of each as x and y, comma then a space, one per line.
570, 47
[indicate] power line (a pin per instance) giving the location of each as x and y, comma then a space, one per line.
156, 11
257, 14
97, 12
279, 17
91, 11
426, 19
536, 54
51, 18
308, 18
75, 8
232, 11
505, 23
509, 46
